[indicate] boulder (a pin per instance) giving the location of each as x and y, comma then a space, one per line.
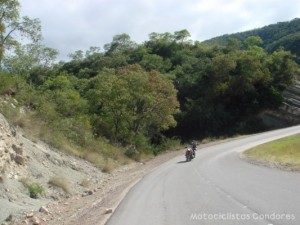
19, 159
17, 149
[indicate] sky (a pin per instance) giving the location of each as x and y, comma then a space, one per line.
71, 25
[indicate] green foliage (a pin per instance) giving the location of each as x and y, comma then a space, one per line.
135, 95
275, 36
35, 190
8, 84
167, 144
289, 42
29, 57
130, 102
252, 41
233, 86
121, 44
11, 23
283, 69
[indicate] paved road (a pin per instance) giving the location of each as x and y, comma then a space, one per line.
217, 187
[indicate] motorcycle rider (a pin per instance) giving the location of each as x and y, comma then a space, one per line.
188, 153
194, 147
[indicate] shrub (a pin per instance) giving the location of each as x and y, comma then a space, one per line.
34, 190
109, 166
131, 151
61, 183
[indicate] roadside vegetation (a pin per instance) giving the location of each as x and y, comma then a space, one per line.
34, 189
60, 182
284, 153
133, 101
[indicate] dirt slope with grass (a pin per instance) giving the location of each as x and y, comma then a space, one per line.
41, 185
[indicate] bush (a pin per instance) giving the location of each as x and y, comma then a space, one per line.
166, 144
60, 182
7, 85
131, 151
34, 190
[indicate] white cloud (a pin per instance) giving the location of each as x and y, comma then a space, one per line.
70, 25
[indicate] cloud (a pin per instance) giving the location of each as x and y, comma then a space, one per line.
71, 25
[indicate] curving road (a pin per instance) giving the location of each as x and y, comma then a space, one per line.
217, 187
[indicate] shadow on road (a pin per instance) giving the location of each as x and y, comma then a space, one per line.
184, 161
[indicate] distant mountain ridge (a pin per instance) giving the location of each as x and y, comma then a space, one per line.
274, 36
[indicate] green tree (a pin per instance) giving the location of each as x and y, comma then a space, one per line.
77, 55
252, 41
155, 62
283, 68
107, 97
29, 57
182, 36
121, 43
11, 23
131, 102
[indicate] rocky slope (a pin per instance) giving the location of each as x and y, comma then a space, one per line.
73, 191
28, 168
289, 113
292, 95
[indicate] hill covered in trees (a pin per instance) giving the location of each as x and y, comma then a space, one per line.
141, 96
284, 35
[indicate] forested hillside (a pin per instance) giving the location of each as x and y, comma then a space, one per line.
280, 35
140, 96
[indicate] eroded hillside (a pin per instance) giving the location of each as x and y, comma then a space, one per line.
34, 175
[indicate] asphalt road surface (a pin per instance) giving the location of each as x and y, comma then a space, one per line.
216, 187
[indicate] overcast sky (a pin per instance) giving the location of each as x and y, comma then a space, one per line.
70, 25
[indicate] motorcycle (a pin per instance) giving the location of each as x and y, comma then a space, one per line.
189, 154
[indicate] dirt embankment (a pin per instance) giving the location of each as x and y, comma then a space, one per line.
72, 190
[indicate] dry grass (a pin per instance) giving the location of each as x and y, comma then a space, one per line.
25, 181
106, 157
61, 183
284, 152
109, 166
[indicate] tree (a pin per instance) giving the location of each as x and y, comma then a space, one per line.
163, 44
29, 57
121, 43
132, 102
283, 69
252, 41
182, 36
11, 23
77, 55
155, 62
